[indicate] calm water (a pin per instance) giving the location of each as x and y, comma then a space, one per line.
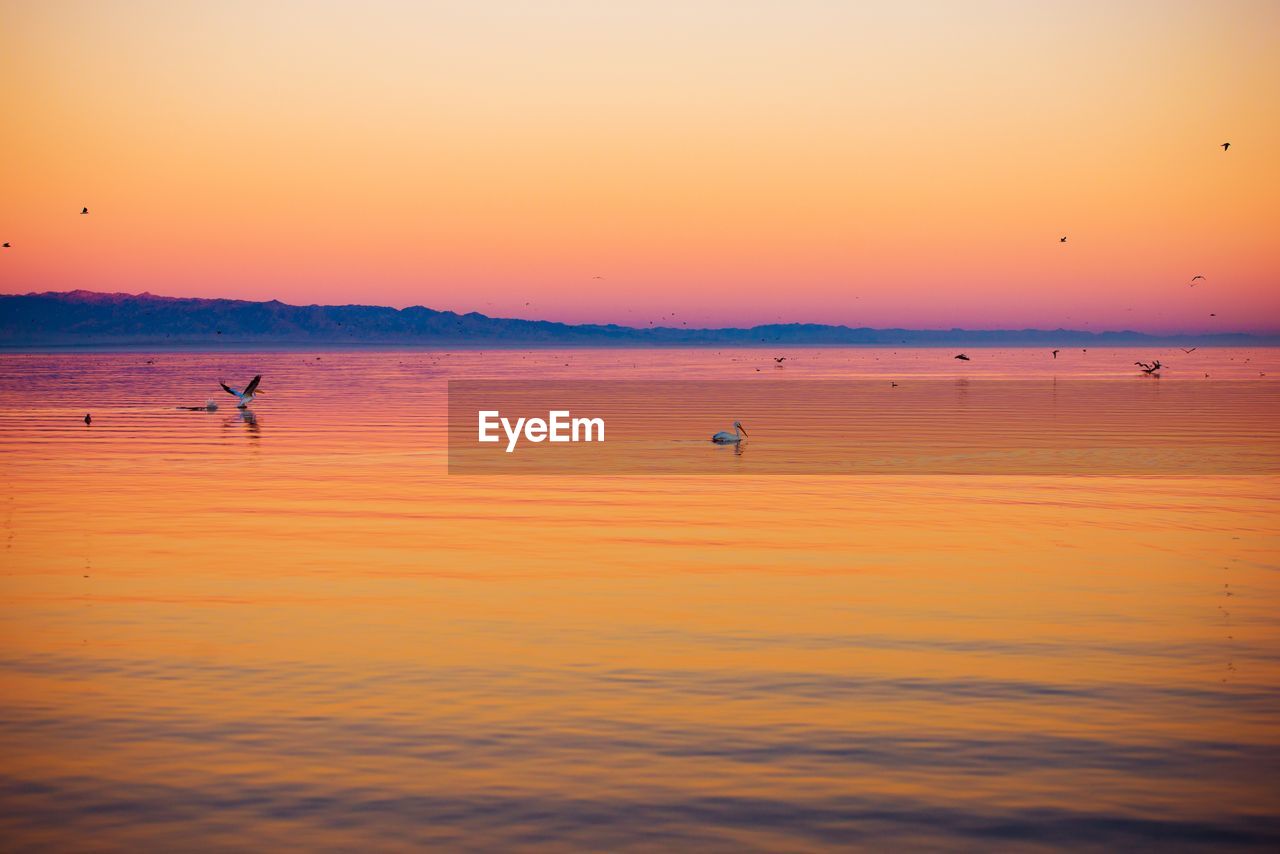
299, 631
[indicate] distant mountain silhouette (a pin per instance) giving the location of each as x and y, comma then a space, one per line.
87, 318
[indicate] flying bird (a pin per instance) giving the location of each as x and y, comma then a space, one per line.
1062, 240
1185, 350
962, 357
6, 245
83, 211
246, 396
779, 359
1195, 278
1225, 146
1151, 368
1055, 354
724, 437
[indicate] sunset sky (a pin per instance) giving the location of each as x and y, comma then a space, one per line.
880, 164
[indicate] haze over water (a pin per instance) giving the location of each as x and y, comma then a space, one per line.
299, 631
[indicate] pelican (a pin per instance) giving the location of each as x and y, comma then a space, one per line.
246, 396
724, 437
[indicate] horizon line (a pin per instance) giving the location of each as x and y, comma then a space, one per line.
643, 329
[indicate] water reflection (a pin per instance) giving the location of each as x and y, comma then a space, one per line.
246, 417
415, 659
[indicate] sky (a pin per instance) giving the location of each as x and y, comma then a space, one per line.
712, 163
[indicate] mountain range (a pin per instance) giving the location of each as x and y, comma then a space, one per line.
91, 319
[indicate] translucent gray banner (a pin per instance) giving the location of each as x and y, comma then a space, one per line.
1143, 426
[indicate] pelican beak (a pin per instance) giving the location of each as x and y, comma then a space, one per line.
744, 430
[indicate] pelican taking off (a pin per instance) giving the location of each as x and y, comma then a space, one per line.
724, 437
246, 396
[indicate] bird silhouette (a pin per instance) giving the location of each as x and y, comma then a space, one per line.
779, 359
1225, 146
83, 211
1185, 350
1062, 240
6, 245
245, 397
962, 357
1152, 368
1055, 354
88, 419
1195, 278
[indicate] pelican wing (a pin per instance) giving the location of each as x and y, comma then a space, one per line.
228, 389
253, 385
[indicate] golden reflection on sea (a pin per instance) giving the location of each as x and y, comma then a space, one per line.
300, 631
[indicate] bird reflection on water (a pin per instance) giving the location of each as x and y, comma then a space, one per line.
738, 447
246, 417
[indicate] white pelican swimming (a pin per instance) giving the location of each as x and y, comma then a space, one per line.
724, 437
246, 396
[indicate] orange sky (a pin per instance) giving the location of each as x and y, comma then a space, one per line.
732, 162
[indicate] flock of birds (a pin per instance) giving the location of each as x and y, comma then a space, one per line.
724, 437
246, 396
